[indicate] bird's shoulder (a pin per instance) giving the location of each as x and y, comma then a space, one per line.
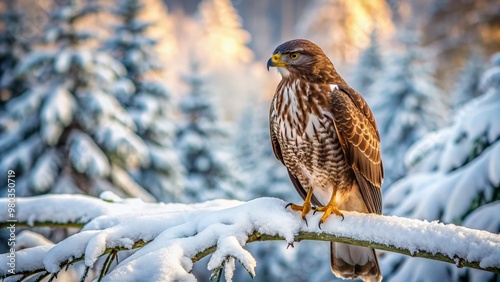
344, 94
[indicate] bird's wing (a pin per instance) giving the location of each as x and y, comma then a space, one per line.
277, 152
360, 142
274, 138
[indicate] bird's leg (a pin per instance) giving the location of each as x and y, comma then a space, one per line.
330, 208
306, 207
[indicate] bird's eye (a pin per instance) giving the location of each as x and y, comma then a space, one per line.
294, 56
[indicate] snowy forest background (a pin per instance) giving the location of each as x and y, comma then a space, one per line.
168, 101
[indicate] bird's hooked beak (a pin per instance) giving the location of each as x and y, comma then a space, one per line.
275, 61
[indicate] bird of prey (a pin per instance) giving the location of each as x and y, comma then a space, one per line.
325, 134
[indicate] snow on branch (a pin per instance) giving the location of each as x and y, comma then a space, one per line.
171, 237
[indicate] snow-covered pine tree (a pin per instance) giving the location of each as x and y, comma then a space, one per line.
12, 48
150, 104
407, 104
453, 178
466, 87
201, 139
369, 66
68, 133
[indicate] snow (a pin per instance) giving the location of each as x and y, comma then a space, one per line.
26, 260
16, 130
177, 233
477, 125
125, 182
201, 139
481, 218
32, 61
110, 197
460, 180
63, 61
124, 142
449, 196
162, 158
146, 153
58, 107
451, 147
165, 264
453, 177
103, 59
67, 250
494, 168
469, 183
27, 102
147, 109
427, 150
85, 156
45, 171
83, 59
29, 239
490, 79
76, 209
407, 105
21, 155
123, 88
77, 104
98, 105
230, 247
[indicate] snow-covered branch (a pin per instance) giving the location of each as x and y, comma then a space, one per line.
172, 237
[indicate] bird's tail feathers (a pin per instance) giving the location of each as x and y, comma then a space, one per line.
349, 262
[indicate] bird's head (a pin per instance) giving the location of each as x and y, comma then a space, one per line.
300, 57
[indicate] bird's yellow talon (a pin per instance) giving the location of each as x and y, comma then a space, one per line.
306, 206
304, 209
328, 210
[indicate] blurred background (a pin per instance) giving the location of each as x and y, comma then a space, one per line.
168, 101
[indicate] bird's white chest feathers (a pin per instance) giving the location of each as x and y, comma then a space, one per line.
303, 133
284, 72
298, 124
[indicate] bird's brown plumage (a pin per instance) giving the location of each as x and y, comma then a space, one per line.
325, 134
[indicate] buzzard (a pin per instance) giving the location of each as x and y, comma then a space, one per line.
325, 134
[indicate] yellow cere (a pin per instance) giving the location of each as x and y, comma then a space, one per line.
276, 58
